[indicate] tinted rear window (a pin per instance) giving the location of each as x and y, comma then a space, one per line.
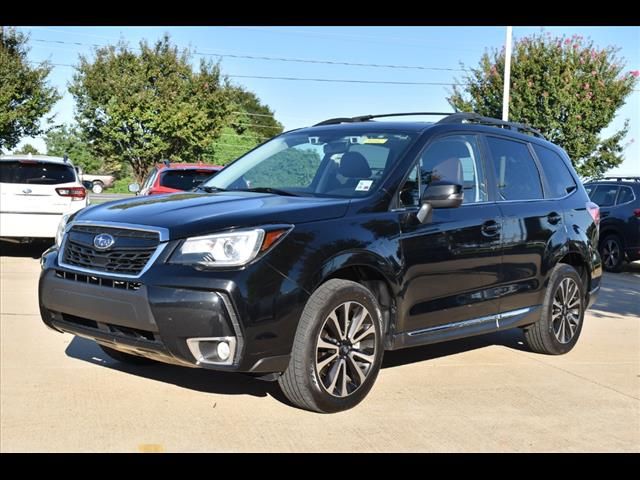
625, 195
36, 173
604, 195
556, 172
184, 179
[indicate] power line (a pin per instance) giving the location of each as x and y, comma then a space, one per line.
330, 80
279, 59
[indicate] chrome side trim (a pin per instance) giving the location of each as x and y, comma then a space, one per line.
162, 232
474, 321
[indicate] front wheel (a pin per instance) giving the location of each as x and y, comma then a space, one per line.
560, 324
337, 350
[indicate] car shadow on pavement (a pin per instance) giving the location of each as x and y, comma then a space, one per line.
209, 381
198, 379
34, 249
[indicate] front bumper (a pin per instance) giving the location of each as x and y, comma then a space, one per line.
149, 318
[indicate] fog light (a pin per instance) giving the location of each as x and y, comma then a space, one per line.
223, 351
213, 350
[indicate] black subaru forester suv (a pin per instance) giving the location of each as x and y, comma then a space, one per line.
309, 256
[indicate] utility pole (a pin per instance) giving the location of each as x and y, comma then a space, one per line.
507, 76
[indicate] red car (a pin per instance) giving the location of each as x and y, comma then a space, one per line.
175, 177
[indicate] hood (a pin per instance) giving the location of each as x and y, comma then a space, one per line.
191, 214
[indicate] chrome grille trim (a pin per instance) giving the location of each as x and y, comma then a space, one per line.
163, 235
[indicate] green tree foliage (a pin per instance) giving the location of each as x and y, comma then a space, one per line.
253, 116
25, 96
289, 168
141, 107
66, 140
26, 149
565, 87
231, 145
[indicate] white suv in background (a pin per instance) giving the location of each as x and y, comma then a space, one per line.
35, 192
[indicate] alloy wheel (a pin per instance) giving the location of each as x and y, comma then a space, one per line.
611, 253
566, 310
346, 349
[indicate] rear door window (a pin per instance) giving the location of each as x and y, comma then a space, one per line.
515, 170
605, 195
36, 173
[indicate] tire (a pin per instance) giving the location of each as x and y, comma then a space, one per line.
307, 382
612, 253
97, 187
125, 357
559, 328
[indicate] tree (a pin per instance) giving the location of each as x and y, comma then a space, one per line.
147, 106
231, 145
25, 96
26, 149
564, 87
68, 141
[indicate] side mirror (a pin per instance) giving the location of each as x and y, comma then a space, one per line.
134, 187
439, 195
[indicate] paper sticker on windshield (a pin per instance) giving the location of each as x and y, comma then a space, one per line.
376, 140
364, 185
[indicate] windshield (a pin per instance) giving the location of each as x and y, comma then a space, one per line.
36, 172
184, 179
340, 164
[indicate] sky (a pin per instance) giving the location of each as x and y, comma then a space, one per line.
439, 51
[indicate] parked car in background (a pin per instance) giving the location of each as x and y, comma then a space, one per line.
308, 257
35, 192
174, 177
97, 183
619, 201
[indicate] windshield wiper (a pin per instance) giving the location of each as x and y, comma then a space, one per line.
275, 191
210, 189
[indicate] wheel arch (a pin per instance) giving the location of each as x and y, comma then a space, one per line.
371, 271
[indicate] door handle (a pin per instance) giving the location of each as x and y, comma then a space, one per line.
490, 228
554, 218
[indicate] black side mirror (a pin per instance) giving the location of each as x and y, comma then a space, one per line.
439, 195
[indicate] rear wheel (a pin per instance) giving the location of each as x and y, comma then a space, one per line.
337, 349
125, 357
97, 187
560, 325
612, 253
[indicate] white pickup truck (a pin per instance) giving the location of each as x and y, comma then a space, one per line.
96, 183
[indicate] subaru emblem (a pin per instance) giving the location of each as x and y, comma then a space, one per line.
103, 241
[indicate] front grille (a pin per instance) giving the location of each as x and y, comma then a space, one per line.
129, 254
102, 282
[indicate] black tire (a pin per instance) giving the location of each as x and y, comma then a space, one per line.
302, 382
612, 253
126, 357
545, 336
97, 187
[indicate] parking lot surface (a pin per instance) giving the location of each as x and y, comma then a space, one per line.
489, 393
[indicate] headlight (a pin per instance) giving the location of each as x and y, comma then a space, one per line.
231, 249
61, 227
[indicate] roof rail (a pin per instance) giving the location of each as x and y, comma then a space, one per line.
619, 178
366, 118
476, 118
